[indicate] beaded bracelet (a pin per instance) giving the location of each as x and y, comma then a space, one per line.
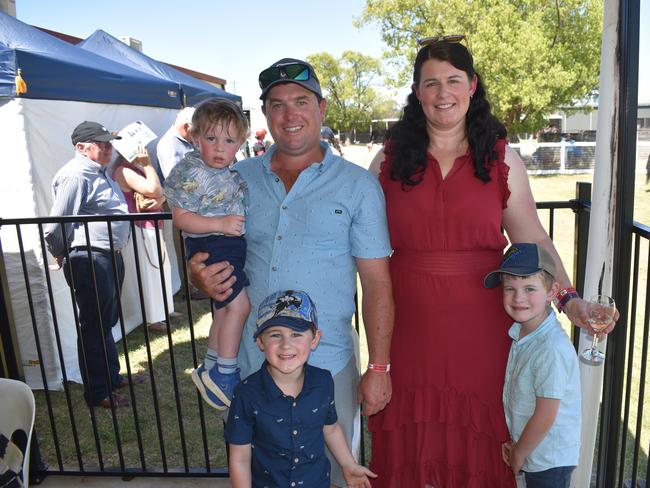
379, 368
564, 296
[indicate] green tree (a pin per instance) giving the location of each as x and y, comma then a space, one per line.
350, 85
535, 56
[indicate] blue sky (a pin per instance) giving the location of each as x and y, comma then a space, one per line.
236, 39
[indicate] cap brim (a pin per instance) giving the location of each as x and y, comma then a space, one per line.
106, 138
304, 84
292, 323
493, 278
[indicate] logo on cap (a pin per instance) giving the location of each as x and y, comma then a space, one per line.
289, 308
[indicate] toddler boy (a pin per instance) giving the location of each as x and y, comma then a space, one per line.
208, 203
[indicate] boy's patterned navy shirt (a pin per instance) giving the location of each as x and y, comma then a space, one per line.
285, 433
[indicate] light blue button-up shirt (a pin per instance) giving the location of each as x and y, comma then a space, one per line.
170, 150
308, 240
83, 187
544, 364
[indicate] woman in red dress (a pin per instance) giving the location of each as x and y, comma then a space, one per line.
451, 185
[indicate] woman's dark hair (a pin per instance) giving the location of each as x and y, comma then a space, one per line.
407, 141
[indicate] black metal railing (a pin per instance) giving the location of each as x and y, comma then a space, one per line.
629, 449
167, 429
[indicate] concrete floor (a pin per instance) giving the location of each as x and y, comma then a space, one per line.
142, 482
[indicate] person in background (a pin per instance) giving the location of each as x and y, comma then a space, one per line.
291, 452
314, 220
327, 135
82, 187
141, 177
170, 150
176, 142
452, 185
260, 145
208, 202
541, 395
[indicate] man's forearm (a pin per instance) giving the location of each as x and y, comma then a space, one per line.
378, 315
378, 309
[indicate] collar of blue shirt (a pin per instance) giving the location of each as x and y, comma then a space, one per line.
272, 390
541, 330
328, 158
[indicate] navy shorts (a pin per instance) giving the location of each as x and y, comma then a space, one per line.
222, 248
551, 478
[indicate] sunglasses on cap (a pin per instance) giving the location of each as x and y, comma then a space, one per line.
289, 71
428, 41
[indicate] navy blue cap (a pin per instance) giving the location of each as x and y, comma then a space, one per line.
521, 259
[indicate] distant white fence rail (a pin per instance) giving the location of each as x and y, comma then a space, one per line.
568, 157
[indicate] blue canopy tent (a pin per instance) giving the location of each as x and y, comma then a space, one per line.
55, 70
65, 85
192, 90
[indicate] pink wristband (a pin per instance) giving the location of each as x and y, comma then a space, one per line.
379, 368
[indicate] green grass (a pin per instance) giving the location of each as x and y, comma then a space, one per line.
142, 419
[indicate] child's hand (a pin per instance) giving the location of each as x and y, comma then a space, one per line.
356, 476
516, 460
506, 449
231, 225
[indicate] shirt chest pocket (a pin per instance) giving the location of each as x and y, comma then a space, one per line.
326, 225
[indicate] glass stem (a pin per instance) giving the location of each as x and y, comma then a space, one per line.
594, 344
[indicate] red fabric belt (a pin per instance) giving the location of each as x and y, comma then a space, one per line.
447, 263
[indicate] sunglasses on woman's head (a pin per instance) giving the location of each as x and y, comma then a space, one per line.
290, 71
428, 41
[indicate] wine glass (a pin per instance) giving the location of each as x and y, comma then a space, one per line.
601, 314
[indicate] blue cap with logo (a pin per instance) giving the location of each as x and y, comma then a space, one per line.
288, 308
521, 259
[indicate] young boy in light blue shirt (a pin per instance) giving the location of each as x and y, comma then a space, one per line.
541, 394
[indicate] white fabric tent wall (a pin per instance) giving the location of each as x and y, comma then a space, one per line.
35, 142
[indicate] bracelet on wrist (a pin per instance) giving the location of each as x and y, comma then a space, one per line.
379, 368
564, 296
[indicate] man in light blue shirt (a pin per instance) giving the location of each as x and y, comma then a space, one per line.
314, 220
82, 187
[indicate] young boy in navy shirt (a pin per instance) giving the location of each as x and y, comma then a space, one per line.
282, 416
541, 394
